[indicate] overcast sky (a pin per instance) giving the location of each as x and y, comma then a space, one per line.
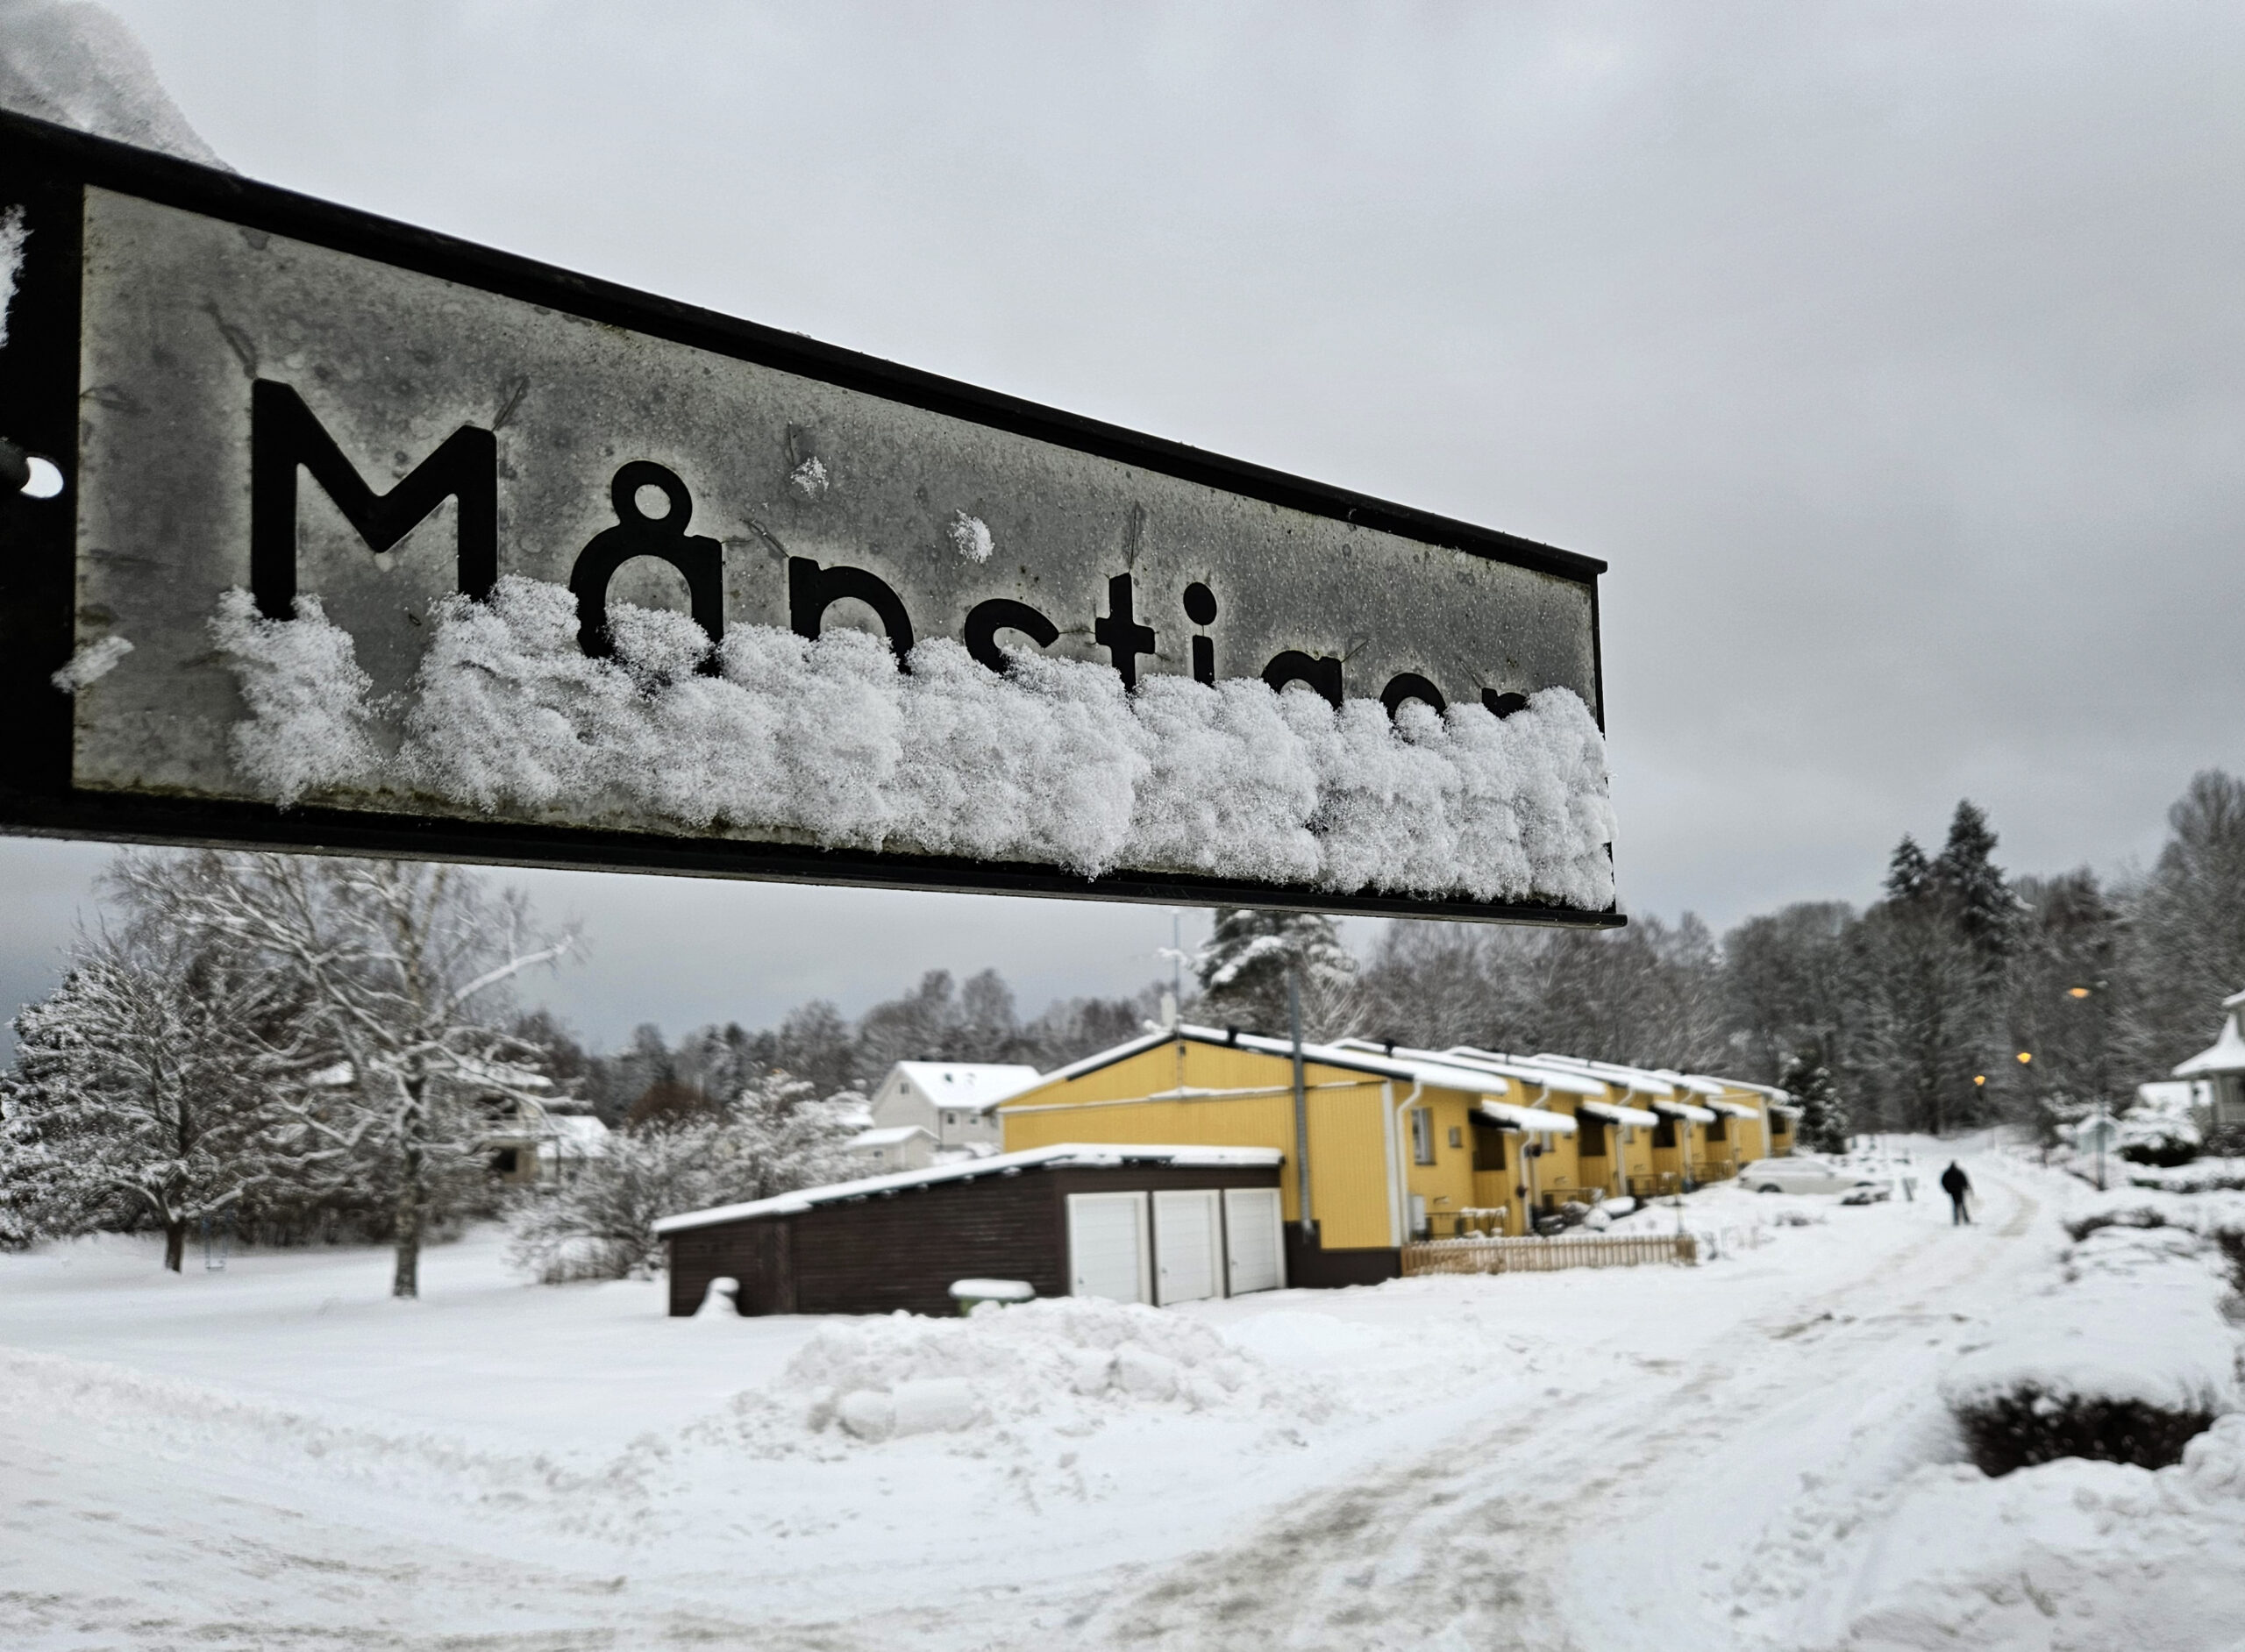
1892, 355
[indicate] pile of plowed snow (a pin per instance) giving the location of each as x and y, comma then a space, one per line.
1067, 1363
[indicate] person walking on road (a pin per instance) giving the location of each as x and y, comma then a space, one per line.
1959, 1186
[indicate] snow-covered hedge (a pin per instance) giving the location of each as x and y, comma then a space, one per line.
2126, 1359
826, 741
2067, 1556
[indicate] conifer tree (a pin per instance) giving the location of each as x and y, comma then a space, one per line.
1823, 1115
1243, 967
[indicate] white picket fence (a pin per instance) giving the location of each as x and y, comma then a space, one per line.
1545, 1255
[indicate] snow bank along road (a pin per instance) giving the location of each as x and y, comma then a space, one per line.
278, 1456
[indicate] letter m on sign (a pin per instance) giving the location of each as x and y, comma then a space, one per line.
284, 437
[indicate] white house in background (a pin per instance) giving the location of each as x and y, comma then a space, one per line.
2221, 1067
899, 1147
568, 1140
952, 1100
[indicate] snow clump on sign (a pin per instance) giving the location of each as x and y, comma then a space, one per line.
1067, 1360
11, 263
826, 741
80, 66
309, 713
91, 664
970, 537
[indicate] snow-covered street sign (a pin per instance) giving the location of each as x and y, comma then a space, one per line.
371, 540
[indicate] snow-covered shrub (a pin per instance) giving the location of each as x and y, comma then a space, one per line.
1064, 1359
770, 1138
2126, 1359
2115, 1216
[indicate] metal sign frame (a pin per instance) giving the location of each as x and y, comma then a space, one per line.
49, 168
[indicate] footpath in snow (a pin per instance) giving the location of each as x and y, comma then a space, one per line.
1750, 1453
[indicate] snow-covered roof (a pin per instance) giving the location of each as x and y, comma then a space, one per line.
1531, 1119
973, 1087
2225, 1054
1769, 1091
1064, 1155
1737, 1109
2168, 1095
890, 1136
1691, 1081
1355, 1055
1528, 1071
1614, 1113
1483, 1061
1683, 1110
577, 1127
1640, 1079
499, 1075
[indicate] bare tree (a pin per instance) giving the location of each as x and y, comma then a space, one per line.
153, 1085
405, 968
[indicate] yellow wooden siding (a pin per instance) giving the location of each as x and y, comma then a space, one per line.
1448, 1184
1132, 1101
1249, 1102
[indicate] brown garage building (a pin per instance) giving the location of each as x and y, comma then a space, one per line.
1136, 1223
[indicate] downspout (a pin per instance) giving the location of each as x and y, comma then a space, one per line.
1399, 1178
1301, 1109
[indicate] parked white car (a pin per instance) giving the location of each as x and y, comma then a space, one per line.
1804, 1173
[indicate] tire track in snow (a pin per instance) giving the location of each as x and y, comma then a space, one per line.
1471, 1543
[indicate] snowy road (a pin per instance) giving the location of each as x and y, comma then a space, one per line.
1643, 1457
1624, 1516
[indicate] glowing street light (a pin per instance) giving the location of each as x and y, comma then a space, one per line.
2077, 992
2024, 1057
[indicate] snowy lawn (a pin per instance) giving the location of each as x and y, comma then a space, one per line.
278, 1455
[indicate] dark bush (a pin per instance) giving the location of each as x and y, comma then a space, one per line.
2167, 1153
2143, 1216
2027, 1426
2232, 1240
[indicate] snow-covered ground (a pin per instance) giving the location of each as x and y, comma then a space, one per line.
1750, 1453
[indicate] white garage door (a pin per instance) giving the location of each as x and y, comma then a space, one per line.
1188, 1247
1107, 1247
1253, 1239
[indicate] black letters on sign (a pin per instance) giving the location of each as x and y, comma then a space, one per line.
636, 534
1200, 609
1502, 706
1321, 673
986, 620
812, 590
1119, 633
1408, 685
283, 435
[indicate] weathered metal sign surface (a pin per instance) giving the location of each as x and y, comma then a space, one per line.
245, 390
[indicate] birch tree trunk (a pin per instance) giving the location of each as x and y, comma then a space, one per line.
412, 1194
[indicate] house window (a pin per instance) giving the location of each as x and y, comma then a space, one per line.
1590, 1138
1457, 1137
1423, 1136
950, 1118
506, 1161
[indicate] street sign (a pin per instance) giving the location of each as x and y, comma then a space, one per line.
371, 540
